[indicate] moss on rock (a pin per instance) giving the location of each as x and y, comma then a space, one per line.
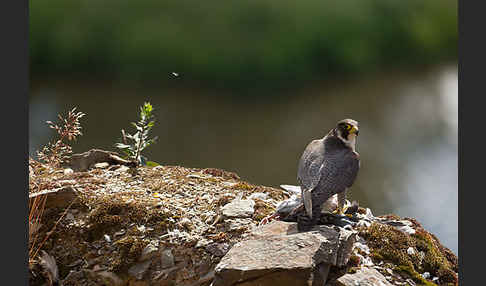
129, 249
391, 245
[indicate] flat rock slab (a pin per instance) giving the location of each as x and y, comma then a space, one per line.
238, 209
343, 239
83, 161
363, 277
285, 259
57, 198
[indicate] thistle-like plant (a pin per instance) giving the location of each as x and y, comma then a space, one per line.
139, 140
59, 152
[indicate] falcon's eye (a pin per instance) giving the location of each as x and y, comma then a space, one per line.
348, 127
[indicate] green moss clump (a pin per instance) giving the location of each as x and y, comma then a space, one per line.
389, 244
129, 250
262, 210
447, 276
352, 270
409, 271
243, 186
353, 261
435, 260
104, 217
376, 256
112, 212
391, 217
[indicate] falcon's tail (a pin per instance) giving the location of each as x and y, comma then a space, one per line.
307, 198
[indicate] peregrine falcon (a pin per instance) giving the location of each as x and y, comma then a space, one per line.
328, 166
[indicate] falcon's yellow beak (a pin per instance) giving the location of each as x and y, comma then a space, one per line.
354, 130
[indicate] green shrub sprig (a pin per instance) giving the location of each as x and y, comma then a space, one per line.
138, 141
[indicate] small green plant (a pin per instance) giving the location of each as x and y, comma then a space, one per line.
59, 152
139, 140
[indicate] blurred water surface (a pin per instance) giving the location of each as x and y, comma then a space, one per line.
407, 142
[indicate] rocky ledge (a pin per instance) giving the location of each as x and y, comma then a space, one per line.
111, 224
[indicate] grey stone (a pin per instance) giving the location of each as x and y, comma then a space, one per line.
410, 251
346, 243
363, 277
239, 224
404, 226
167, 259
238, 209
83, 161
260, 196
102, 165
148, 252
139, 269
217, 249
110, 278
369, 215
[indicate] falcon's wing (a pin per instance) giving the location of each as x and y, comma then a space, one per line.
339, 171
309, 172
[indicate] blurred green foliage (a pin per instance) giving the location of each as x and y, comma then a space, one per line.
238, 42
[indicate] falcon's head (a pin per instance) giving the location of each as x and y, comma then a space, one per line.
347, 130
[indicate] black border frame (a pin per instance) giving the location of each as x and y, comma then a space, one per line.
14, 25
15, 85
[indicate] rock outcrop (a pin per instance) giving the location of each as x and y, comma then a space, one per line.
169, 225
279, 255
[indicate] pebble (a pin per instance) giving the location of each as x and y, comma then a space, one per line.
362, 247
148, 252
239, 224
122, 169
121, 232
369, 215
292, 189
166, 259
363, 223
261, 196
218, 249
139, 269
102, 165
185, 222
202, 243
411, 251
238, 209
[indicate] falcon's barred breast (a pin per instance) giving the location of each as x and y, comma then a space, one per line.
328, 166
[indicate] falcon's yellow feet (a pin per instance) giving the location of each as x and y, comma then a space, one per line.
338, 211
342, 211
